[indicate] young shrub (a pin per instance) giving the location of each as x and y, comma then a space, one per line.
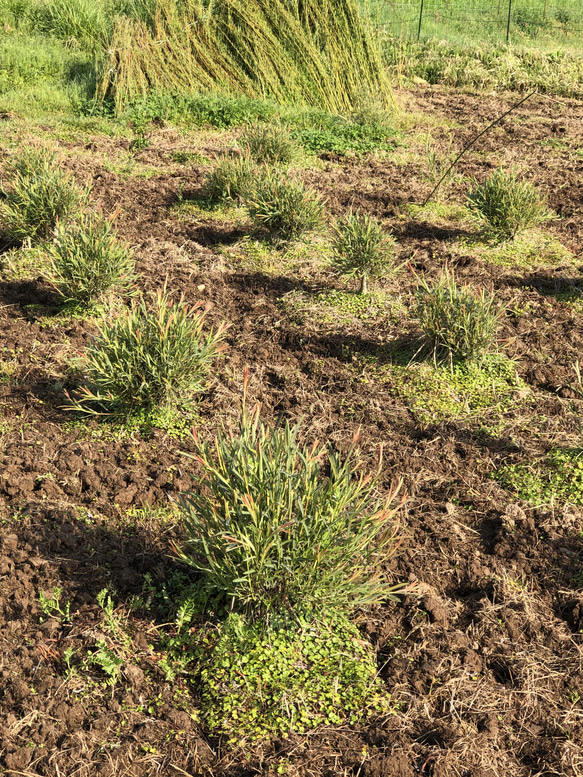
276, 529
269, 144
231, 179
460, 321
149, 359
285, 207
362, 249
88, 261
39, 193
507, 205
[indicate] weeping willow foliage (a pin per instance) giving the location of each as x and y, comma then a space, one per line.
313, 52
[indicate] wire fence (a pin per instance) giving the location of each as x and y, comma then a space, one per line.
529, 22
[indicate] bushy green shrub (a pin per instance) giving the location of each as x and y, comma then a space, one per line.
87, 260
507, 205
285, 207
275, 527
269, 144
148, 359
231, 179
460, 321
362, 249
39, 192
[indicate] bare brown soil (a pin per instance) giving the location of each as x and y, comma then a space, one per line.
485, 664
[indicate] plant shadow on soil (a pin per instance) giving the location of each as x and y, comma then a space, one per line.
415, 230
552, 283
26, 293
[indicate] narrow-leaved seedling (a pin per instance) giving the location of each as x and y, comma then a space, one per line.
362, 249
149, 359
508, 206
277, 527
459, 321
87, 260
38, 193
285, 207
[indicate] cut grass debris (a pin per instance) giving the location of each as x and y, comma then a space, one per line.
320, 54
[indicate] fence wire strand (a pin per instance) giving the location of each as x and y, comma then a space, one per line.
527, 19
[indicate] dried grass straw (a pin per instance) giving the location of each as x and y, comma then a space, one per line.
313, 52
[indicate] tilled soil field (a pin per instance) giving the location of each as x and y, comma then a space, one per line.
485, 662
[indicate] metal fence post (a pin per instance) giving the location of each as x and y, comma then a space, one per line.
420, 18
508, 26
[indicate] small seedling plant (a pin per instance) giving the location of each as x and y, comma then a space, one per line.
362, 249
53, 607
458, 322
37, 194
149, 358
87, 261
508, 206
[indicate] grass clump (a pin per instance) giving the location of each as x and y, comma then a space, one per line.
273, 532
282, 533
362, 249
269, 144
289, 679
458, 321
39, 193
231, 180
558, 477
87, 260
148, 359
285, 207
507, 205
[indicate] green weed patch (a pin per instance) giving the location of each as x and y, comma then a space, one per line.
529, 249
437, 393
341, 307
259, 682
345, 137
558, 477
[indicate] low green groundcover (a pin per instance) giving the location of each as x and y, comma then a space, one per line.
556, 477
291, 677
